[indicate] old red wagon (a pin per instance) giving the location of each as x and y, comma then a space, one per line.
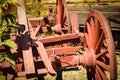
93, 48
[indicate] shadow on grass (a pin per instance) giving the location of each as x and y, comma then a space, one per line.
41, 77
59, 75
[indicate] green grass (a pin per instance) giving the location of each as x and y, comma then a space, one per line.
24, 78
69, 75
66, 75
2, 78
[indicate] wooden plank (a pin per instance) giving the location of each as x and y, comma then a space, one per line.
25, 40
102, 8
74, 22
59, 38
42, 52
42, 71
63, 50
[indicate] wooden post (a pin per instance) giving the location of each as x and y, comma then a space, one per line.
25, 39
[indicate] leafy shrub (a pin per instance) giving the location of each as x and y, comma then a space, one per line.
7, 22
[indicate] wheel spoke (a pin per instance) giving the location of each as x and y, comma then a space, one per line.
89, 29
63, 14
107, 55
89, 34
96, 33
90, 73
59, 11
87, 40
97, 24
104, 52
92, 23
97, 75
93, 32
103, 65
99, 44
64, 20
101, 73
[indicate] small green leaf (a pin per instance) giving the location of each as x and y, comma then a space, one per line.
2, 58
1, 11
5, 5
9, 57
9, 43
11, 61
7, 22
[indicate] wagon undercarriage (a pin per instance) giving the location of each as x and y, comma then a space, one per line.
93, 48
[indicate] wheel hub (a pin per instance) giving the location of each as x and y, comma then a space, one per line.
89, 58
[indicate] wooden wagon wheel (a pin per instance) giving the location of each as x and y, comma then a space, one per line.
99, 38
62, 16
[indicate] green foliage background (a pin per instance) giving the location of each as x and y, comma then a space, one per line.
35, 8
7, 22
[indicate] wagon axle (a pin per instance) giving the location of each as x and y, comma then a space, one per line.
86, 59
